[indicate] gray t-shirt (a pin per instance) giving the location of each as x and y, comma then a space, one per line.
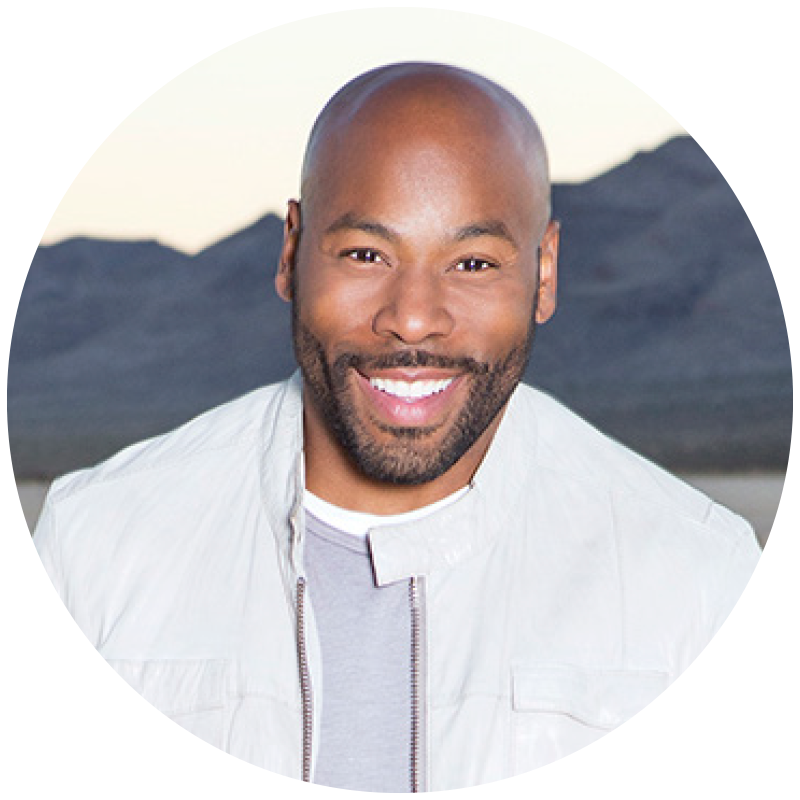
365, 641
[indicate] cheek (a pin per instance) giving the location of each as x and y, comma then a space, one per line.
335, 309
496, 322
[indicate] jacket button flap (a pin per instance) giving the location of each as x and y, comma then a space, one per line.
597, 697
177, 686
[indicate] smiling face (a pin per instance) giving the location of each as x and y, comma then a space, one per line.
413, 267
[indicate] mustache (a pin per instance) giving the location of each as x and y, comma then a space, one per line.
409, 359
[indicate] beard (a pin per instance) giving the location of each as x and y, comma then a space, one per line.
414, 455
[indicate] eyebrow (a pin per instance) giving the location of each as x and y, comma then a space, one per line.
350, 222
489, 227
475, 230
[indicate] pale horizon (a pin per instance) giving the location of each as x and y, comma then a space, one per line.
220, 146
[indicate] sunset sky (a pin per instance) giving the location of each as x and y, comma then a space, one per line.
221, 144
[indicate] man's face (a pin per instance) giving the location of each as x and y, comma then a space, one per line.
414, 285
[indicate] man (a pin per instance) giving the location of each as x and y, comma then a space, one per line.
400, 570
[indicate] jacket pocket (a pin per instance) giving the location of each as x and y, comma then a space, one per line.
192, 692
559, 709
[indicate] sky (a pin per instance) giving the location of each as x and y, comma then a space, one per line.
221, 144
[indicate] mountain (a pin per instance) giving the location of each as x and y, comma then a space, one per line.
669, 334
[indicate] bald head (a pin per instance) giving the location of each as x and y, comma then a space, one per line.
419, 104
421, 250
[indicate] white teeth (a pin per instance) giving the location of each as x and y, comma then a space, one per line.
410, 390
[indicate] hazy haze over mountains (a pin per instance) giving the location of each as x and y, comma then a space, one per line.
669, 334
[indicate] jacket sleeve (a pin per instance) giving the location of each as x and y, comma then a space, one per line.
741, 562
45, 539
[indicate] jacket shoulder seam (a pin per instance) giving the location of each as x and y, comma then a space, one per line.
70, 490
614, 492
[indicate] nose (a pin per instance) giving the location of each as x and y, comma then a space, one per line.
413, 308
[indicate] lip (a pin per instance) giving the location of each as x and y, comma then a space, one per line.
403, 412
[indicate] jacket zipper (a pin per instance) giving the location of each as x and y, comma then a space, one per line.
417, 654
305, 681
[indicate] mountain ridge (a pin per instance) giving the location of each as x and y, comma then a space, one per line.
118, 340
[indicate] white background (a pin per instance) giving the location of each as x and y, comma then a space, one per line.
71, 73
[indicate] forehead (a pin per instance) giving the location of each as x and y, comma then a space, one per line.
446, 155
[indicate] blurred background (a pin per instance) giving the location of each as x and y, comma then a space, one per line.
150, 298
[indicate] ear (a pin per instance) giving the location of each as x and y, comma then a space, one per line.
548, 272
288, 256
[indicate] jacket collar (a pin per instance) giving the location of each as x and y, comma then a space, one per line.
441, 540
283, 471
469, 526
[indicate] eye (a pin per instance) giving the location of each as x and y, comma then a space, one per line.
475, 264
364, 255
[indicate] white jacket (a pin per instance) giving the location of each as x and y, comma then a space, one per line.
556, 599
